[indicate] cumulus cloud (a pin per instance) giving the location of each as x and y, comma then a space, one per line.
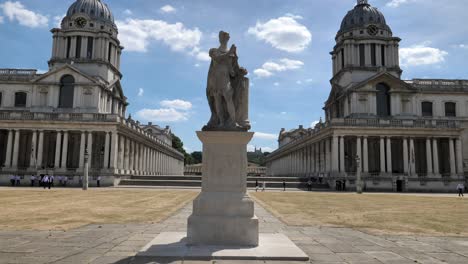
136, 35
177, 104
462, 46
172, 111
313, 124
251, 148
162, 115
271, 67
141, 92
128, 12
15, 11
267, 136
276, 84
398, 3
283, 33
168, 9
421, 54
58, 20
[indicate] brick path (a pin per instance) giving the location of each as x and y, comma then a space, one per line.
99, 244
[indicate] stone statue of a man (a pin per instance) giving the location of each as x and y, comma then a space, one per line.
227, 89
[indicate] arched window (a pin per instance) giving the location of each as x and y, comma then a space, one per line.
20, 99
450, 109
67, 91
426, 109
383, 100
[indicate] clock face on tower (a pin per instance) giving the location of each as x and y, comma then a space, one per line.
372, 30
80, 22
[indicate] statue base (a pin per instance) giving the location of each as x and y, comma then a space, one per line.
223, 214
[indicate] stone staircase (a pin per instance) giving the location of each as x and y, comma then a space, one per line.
195, 182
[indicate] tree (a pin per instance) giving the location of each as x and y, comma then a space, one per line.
179, 146
197, 157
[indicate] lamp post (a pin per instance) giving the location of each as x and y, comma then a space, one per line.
85, 176
358, 175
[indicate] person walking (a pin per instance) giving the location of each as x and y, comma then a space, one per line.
284, 185
33, 180
45, 181
309, 185
18, 180
65, 180
460, 188
320, 178
98, 181
263, 186
51, 181
12, 180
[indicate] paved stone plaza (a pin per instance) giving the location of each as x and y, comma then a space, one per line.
119, 243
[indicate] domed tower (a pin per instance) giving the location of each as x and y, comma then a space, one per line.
364, 46
88, 39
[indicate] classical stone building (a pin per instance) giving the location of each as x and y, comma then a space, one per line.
401, 135
48, 121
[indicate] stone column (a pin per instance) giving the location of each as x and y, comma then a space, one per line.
121, 163
106, 151
405, 156
137, 158
453, 169
335, 159
459, 157
382, 155
33, 160
126, 155
359, 153
365, 154
114, 150
82, 149
58, 143
131, 156
435, 152
9, 149
16, 149
40, 149
429, 156
389, 156
342, 155
90, 149
65, 150
412, 158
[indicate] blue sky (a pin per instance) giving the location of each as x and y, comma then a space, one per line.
285, 46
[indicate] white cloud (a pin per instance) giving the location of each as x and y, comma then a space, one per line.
1, 20
41, 71
283, 33
251, 148
267, 136
128, 12
202, 56
168, 9
269, 68
162, 115
136, 35
197, 65
397, 3
177, 104
141, 92
462, 46
299, 82
421, 54
16, 11
58, 20
276, 84
283, 113
313, 124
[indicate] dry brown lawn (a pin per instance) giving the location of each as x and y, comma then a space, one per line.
377, 213
37, 209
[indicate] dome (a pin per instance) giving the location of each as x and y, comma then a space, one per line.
363, 15
95, 9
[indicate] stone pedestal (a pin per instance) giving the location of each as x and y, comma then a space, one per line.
223, 214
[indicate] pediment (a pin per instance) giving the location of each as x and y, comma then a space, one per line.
395, 84
55, 76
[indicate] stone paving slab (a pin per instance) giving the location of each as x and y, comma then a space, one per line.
119, 243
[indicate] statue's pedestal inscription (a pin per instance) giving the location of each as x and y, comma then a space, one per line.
223, 214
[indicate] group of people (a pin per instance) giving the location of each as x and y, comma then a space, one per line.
48, 181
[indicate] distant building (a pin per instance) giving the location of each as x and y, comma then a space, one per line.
49, 121
401, 135
252, 169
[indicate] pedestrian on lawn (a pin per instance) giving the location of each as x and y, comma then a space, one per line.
460, 188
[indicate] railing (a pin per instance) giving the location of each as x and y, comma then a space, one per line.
17, 74
439, 84
376, 122
7, 115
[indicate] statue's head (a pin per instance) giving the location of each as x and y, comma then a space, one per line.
224, 37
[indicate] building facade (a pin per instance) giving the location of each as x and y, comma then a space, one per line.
49, 121
400, 135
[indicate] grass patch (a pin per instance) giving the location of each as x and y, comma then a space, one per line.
378, 213
67, 209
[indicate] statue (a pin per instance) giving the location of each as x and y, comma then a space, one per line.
227, 89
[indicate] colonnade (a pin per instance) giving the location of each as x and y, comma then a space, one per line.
108, 151
346, 155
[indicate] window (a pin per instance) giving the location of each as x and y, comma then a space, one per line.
342, 59
78, 47
426, 108
68, 46
67, 91
362, 56
450, 109
383, 100
0, 99
110, 52
382, 53
20, 99
373, 55
89, 53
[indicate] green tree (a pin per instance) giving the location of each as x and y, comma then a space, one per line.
179, 146
197, 157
